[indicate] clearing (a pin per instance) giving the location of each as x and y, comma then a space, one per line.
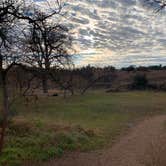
55, 127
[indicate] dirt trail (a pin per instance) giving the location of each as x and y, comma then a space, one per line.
128, 151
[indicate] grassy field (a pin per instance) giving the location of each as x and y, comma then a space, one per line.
55, 125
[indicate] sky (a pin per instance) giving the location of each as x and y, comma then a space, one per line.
115, 32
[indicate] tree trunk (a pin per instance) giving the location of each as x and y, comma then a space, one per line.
45, 78
5, 109
44, 84
72, 91
65, 93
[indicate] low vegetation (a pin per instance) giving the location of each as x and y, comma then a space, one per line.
56, 125
140, 82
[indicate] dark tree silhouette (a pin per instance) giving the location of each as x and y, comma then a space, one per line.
11, 11
7, 58
47, 45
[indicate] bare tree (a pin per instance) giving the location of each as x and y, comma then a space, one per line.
64, 79
47, 45
10, 12
7, 59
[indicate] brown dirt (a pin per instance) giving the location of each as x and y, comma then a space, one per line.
130, 150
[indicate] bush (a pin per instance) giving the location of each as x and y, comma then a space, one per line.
129, 69
152, 87
162, 87
140, 82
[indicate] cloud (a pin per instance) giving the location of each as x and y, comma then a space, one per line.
124, 27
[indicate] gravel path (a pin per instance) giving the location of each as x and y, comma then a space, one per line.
130, 150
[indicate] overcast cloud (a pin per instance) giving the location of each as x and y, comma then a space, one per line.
116, 32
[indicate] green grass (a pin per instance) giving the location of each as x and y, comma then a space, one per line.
56, 125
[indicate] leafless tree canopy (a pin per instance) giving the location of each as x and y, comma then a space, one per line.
45, 43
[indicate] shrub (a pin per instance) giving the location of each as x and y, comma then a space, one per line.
162, 87
153, 86
140, 82
129, 69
